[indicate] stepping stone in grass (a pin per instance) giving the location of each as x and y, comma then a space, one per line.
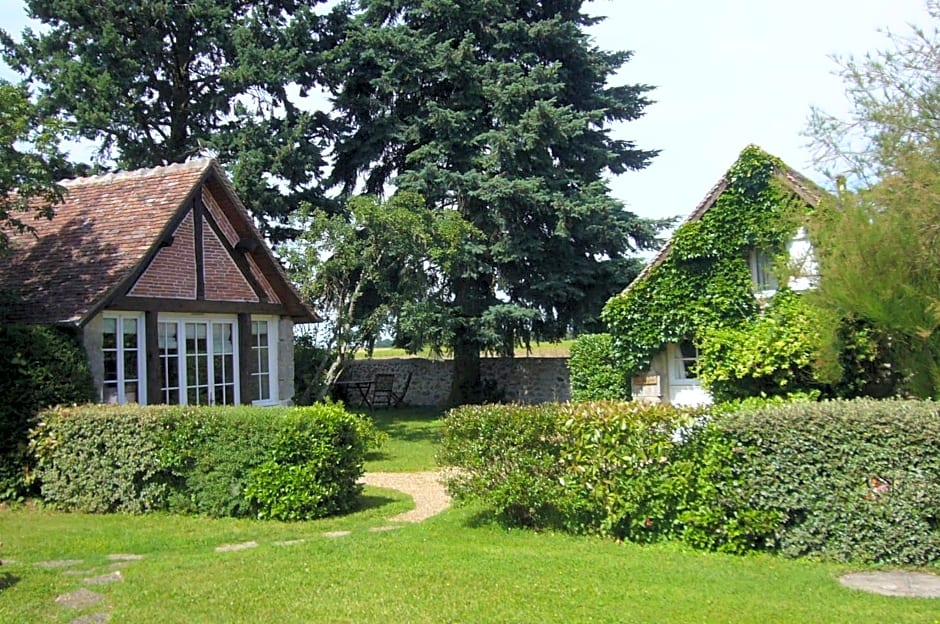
124, 557
113, 577
335, 534
117, 565
290, 542
383, 529
59, 563
895, 583
236, 547
79, 599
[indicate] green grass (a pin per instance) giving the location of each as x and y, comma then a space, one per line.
456, 567
413, 436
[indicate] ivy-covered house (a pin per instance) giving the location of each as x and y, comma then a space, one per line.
723, 265
169, 285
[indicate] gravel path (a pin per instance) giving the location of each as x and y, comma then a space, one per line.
424, 487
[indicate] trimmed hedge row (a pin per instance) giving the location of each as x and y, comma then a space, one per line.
846, 480
594, 374
282, 463
852, 480
39, 367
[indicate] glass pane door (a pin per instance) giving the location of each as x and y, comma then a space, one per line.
197, 363
223, 363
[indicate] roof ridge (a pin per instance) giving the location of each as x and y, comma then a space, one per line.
196, 164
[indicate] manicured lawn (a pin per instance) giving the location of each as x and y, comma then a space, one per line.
455, 567
413, 436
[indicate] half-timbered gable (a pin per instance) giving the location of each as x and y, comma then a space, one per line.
176, 294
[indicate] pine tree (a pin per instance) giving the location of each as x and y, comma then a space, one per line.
501, 111
156, 81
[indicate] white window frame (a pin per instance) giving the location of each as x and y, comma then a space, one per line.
677, 360
763, 277
273, 347
119, 318
181, 320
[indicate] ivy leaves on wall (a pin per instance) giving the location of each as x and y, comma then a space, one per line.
704, 280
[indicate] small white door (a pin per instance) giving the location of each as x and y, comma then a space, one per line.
685, 389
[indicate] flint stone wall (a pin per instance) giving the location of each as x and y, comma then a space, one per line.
523, 380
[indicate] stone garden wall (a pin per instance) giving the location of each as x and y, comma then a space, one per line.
523, 380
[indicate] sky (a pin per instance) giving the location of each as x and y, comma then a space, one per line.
727, 73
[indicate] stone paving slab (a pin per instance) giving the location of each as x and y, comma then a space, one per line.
383, 529
124, 557
92, 618
289, 542
236, 547
79, 599
895, 583
335, 534
119, 565
58, 563
113, 577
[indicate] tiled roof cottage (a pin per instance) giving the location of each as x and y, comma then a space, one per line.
175, 294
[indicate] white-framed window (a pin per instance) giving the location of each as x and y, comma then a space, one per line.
198, 360
762, 272
683, 360
804, 272
122, 346
262, 386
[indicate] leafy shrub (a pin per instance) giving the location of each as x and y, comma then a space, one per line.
617, 469
594, 374
39, 367
310, 364
286, 463
846, 480
851, 480
618, 464
209, 453
770, 355
507, 456
101, 458
313, 466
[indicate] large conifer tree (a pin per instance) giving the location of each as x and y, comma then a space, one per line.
156, 81
500, 110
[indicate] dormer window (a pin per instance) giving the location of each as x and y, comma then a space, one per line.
762, 272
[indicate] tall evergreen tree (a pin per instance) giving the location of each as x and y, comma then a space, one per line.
29, 163
499, 110
156, 81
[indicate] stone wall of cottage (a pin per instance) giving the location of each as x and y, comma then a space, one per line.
285, 360
522, 380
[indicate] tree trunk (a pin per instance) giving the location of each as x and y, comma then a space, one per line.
470, 297
466, 384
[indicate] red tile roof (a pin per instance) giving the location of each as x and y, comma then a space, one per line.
104, 229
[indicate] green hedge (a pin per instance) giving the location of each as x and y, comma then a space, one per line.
594, 374
39, 367
845, 480
283, 463
590, 467
851, 480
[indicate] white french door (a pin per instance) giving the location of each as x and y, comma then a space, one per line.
199, 361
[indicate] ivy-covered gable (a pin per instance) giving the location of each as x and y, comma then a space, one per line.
702, 277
